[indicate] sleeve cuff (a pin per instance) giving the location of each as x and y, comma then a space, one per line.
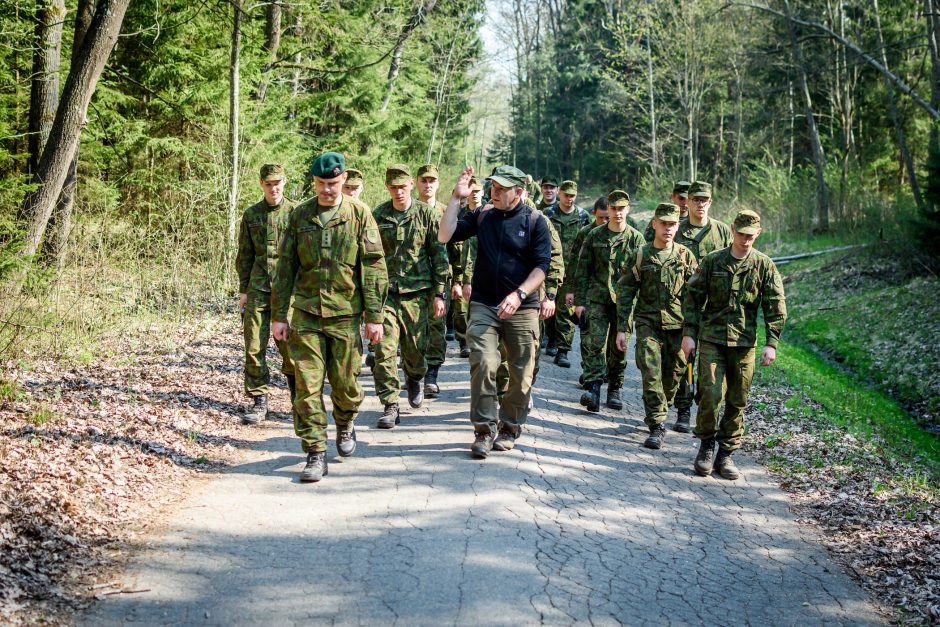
373, 317
692, 332
772, 342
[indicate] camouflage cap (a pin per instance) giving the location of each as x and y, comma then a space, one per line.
700, 189
681, 189
475, 184
618, 198
329, 165
508, 176
272, 172
747, 222
549, 180
569, 187
430, 170
666, 212
397, 174
355, 177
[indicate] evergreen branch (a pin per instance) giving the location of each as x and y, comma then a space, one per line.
176, 107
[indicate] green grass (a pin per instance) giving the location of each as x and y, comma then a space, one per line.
42, 415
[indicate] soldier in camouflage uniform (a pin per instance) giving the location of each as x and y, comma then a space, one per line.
680, 198
720, 310
417, 274
567, 219
354, 184
701, 234
549, 188
600, 218
333, 267
458, 252
603, 254
428, 183
259, 240
654, 279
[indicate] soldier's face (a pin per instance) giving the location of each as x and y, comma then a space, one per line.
600, 217
682, 203
566, 200
699, 206
329, 191
549, 193
476, 197
665, 231
273, 191
352, 191
505, 198
427, 187
401, 194
742, 243
618, 215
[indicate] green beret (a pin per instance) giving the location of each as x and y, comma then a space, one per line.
475, 184
681, 189
329, 165
747, 222
569, 187
508, 176
397, 174
700, 189
667, 212
355, 177
428, 170
549, 180
272, 172
618, 198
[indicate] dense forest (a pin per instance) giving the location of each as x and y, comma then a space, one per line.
131, 132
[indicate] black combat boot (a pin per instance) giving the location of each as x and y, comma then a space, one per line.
292, 386
431, 389
561, 359
482, 444
592, 398
315, 469
464, 350
259, 411
370, 360
389, 417
449, 335
581, 382
683, 420
657, 435
552, 350
705, 457
613, 397
346, 439
725, 466
415, 392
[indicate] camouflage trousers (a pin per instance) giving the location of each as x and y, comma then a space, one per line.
256, 328
324, 347
560, 327
661, 363
437, 330
405, 323
604, 360
519, 336
458, 309
684, 394
724, 376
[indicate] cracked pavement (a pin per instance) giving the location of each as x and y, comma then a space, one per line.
578, 525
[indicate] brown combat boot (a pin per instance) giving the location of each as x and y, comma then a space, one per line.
725, 466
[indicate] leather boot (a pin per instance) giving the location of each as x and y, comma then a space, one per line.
705, 458
683, 420
415, 392
346, 439
431, 389
655, 440
613, 397
315, 469
259, 411
482, 444
561, 359
389, 417
725, 466
592, 398
464, 350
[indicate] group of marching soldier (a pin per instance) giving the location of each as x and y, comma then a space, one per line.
507, 268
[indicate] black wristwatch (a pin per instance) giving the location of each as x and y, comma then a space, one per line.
550, 296
441, 296
521, 293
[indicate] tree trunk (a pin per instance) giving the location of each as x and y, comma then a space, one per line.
56, 241
234, 77
932, 17
417, 19
296, 31
44, 89
63, 137
272, 42
654, 159
819, 157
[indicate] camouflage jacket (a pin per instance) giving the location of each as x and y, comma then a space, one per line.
568, 225
259, 243
416, 260
600, 262
715, 236
572, 270
455, 254
656, 287
337, 269
722, 298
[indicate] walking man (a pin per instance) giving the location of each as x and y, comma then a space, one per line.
650, 294
720, 320
599, 211
513, 255
680, 198
259, 239
333, 266
418, 274
438, 327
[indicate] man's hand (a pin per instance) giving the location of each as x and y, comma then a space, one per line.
242, 301
462, 188
546, 309
467, 291
375, 332
280, 330
688, 347
622, 339
455, 291
440, 308
509, 306
580, 310
569, 300
768, 355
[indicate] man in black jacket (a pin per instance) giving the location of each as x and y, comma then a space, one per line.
513, 253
